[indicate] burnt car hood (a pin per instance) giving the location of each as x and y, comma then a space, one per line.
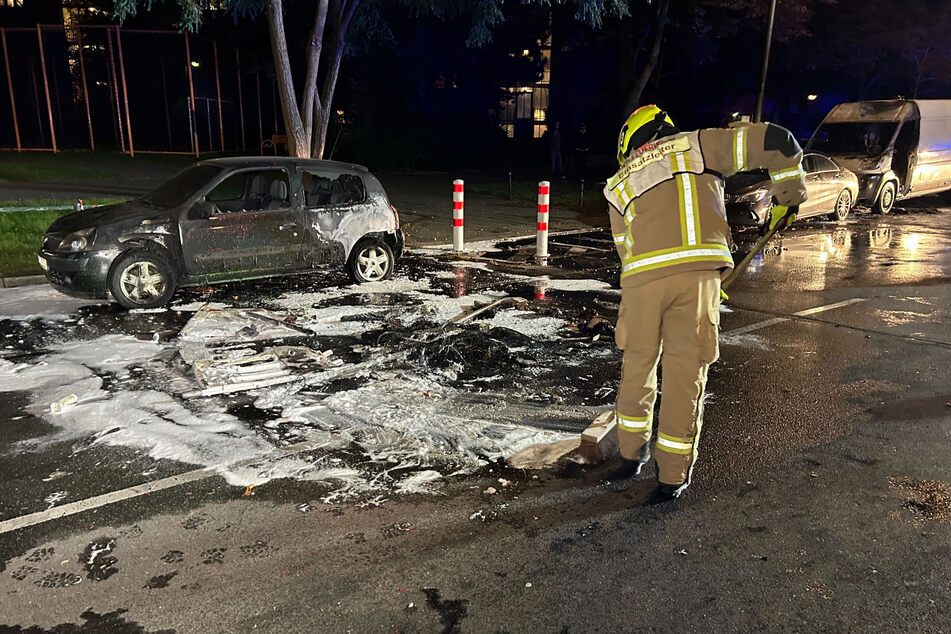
132, 210
746, 182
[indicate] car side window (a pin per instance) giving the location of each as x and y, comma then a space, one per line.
331, 189
252, 190
809, 163
825, 165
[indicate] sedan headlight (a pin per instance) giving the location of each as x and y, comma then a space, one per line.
754, 196
77, 241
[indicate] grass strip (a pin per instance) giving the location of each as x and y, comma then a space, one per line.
21, 234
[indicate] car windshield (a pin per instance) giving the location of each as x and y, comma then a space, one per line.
181, 187
853, 137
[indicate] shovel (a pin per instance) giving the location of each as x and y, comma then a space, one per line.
781, 224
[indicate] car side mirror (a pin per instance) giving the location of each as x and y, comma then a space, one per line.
203, 209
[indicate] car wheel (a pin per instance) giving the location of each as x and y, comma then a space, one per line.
886, 200
142, 279
370, 261
843, 205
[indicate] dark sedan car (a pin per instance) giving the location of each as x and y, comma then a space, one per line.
832, 191
224, 220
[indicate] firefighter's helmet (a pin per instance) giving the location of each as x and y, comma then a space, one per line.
643, 124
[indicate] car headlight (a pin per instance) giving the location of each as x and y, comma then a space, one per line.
77, 241
754, 196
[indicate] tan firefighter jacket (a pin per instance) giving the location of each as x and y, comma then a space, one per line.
666, 201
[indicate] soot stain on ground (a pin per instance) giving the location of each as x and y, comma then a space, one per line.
258, 549
173, 557
160, 581
93, 623
96, 560
451, 611
213, 556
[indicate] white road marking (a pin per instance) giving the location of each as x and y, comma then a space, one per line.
7, 526
802, 313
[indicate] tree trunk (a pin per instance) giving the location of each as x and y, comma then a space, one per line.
341, 14
314, 49
634, 96
322, 121
297, 139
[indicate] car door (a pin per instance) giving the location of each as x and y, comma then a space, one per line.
818, 185
244, 226
333, 201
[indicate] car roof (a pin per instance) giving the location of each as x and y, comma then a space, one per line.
262, 161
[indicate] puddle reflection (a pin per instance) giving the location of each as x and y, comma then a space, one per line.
893, 253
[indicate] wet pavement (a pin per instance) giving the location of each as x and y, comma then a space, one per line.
380, 497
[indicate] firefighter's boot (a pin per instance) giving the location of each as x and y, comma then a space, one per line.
630, 468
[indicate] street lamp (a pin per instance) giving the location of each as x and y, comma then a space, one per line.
195, 64
812, 97
758, 113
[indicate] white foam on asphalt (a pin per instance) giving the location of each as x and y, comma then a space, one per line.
41, 301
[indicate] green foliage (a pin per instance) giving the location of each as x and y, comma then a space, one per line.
21, 233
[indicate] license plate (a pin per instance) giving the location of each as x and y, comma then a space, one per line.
43, 264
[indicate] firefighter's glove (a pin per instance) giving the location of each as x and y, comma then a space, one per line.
778, 212
723, 296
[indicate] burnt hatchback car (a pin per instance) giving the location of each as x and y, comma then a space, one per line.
224, 220
832, 191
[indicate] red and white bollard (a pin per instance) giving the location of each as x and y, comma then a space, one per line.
541, 242
458, 215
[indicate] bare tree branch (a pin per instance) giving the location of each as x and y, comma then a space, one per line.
285, 81
315, 47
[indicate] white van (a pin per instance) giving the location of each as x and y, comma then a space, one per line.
898, 148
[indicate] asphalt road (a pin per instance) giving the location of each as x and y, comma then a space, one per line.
822, 499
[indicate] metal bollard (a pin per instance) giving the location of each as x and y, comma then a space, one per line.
541, 242
458, 215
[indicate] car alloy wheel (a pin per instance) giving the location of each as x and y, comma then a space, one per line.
371, 260
143, 278
373, 263
842, 206
142, 282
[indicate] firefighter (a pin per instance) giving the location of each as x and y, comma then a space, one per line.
671, 233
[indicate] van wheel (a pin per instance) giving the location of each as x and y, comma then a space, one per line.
842, 206
886, 200
371, 260
142, 279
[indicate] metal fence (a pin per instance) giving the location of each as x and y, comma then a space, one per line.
132, 90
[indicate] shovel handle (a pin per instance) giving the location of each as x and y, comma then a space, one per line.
759, 246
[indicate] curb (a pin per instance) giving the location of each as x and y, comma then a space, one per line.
25, 280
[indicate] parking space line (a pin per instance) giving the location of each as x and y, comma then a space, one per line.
802, 313
79, 506
145, 488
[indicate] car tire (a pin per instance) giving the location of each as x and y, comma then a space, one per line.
142, 278
886, 199
371, 260
843, 204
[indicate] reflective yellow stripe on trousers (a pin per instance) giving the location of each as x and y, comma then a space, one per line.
673, 444
633, 423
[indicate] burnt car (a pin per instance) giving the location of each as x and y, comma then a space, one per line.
224, 220
832, 191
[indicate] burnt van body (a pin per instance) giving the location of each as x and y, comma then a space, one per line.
898, 148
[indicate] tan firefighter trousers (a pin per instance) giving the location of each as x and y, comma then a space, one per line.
673, 320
